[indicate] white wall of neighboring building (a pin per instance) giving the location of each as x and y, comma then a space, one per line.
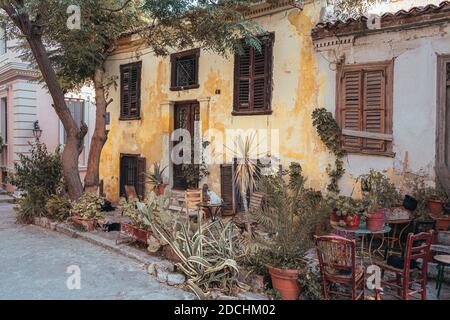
415, 55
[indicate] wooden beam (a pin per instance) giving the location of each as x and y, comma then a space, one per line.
369, 135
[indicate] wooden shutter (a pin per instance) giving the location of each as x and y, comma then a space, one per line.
130, 89
140, 179
374, 114
226, 187
243, 79
253, 78
351, 84
365, 108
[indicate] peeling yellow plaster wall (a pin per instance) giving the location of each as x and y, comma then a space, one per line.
298, 88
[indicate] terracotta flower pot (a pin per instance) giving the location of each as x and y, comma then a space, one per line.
442, 223
134, 232
376, 220
352, 221
435, 206
334, 219
170, 253
87, 224
286, 282
160, 189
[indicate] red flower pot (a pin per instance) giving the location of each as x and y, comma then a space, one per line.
170, 253
136, 233
286, 282
160, 189
376, 220
334, 219
87, 224
352, 221
435, 206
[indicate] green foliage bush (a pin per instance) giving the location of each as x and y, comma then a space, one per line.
58, 207
89, 206
38, 176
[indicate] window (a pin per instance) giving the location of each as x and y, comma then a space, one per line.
132, 173
253, 79
76, 108
4, 120
364, 108
184, 73
130, 91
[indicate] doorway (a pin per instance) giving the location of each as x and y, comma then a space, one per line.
132, 173
186, 116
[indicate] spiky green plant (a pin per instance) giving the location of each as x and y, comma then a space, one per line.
208, 255
246, 173
156, 177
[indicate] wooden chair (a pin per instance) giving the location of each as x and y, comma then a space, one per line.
131, 194
192, 199
417, 247
337, 260
257, 200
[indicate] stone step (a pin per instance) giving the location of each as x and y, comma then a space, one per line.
444, 238
432, 272
3, 191
440, 248
5, 198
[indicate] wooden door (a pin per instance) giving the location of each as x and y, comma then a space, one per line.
187, 116
132, 169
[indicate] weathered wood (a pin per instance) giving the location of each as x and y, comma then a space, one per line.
369, 135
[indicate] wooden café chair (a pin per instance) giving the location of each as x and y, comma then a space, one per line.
337, 259
410, 273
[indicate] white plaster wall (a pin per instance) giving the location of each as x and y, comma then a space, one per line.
414, 97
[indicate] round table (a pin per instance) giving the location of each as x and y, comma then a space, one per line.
363, 232
442, 261
215, 209
396, 236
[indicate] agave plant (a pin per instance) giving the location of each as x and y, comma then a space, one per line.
208, 255
156, 177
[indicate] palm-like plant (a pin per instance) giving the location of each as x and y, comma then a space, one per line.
246, 173
156, 177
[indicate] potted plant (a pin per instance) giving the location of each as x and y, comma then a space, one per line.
142, 216
156, 178
379, 194
87, 210
290, 224
194, 173
436, 198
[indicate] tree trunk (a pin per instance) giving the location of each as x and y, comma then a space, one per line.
91, 181
75, 136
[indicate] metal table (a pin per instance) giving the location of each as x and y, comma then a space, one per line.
363, 232
214, 209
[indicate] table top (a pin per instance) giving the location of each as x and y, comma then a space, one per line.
399, 221
363, 231
210, 205
444, 259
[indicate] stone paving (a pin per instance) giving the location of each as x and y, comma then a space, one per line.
34, 261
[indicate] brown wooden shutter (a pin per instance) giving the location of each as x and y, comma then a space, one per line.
253, 78
140, 179
130, 88
226, 187
243, 79
351, 105
374, 112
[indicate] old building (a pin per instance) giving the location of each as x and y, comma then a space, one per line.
380, 81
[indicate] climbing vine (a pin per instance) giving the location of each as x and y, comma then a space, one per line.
330, 133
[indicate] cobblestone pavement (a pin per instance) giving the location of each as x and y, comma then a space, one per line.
34, 262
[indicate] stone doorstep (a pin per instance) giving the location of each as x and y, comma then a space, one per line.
163, 270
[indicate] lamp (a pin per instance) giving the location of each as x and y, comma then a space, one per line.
37, 131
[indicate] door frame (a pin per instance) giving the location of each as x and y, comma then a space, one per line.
172, 143
442, 169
